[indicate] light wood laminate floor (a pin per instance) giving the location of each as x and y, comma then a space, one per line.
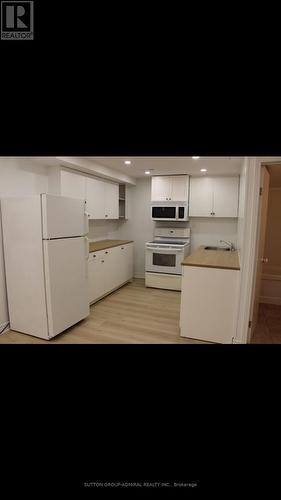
133, 314
268, 329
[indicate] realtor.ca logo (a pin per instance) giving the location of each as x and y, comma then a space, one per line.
17, 21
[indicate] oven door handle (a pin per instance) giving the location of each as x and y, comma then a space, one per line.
165, 250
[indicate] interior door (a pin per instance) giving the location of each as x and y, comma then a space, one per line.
95, 192
226, 192
263, 209
66, 275
63, 217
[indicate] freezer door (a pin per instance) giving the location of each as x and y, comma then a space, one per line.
63, 217
66, 275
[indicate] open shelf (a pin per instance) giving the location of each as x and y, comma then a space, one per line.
122, 201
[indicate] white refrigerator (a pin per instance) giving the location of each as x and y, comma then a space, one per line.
46, 260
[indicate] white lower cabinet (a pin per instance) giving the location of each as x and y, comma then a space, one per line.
96, 276
209, 304
125, 259
109, 269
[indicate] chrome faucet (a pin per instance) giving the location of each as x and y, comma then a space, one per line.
230, 244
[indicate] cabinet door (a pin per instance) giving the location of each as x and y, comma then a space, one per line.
226, 190
95, 198
112, 268
127, 264
179, 188
161, 188
73, 185
111, 200
201, 197
124, 270
96, 276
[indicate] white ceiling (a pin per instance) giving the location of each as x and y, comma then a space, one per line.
172, 165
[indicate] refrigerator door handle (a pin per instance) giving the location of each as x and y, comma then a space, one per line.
86, 254
86, 219
86, 247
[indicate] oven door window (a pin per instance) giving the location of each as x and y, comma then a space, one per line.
164, 212
164, 259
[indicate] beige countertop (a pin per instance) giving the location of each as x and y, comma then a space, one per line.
213, 258
95, 246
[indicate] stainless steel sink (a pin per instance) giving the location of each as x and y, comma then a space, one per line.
223, 249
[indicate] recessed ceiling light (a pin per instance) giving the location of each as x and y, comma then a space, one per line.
127, 162
203, 170
147, 172
195, 157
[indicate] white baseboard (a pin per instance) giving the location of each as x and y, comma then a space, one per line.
4, 327
271, 300
139, 275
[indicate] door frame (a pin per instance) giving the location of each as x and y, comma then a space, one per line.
250, 241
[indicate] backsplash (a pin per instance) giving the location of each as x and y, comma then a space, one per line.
102, 230
211, 231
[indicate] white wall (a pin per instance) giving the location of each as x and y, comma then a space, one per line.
18, 177
211, 231
139, 227
103, 229
242, 201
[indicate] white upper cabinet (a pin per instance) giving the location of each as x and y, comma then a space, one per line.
160, 188
170, 188
102, 199
226, 195
214, 197
200, 197
73, 185
180, 188
95, 198
111, 200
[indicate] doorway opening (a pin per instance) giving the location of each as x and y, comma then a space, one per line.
266, 318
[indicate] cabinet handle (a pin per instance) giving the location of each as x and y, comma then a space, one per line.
102, 260
106, 252
94, 255
122, 248
106, 215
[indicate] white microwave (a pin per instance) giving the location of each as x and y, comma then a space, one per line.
169, 212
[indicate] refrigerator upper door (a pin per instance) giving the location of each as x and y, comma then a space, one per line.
66, 275
63, 217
